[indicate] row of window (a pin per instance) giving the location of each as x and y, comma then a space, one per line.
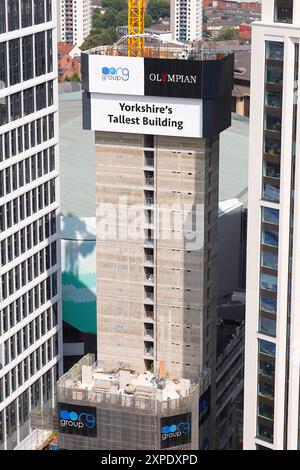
26, 137
26, 205
22, 59
26, 337
15, 14
28, 367
39, 392
266, 386
26, 238
27, 304
26, 171
29, 270
26, 102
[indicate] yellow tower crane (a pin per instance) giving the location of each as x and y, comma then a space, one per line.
136, 28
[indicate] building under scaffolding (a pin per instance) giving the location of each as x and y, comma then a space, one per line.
124, 409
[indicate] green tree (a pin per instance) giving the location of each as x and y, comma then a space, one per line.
115, 4
227, 34
75, 77
158, 9
93, 40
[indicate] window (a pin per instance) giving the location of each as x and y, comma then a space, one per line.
283, 11
267, 348
27, 57
267, 325
274, 50
268, 282
40, 96
13, 15
269, 260
268, 304
270, 216
3, 61
14, 61
39, 11
28, 100
270, 238
2, 18
40, 54
26, 13
15, 106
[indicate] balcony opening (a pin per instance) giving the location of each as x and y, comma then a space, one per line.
284, 11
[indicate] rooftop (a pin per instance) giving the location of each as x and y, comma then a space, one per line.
94, 381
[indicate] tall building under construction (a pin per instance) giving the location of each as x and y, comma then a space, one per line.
157, 122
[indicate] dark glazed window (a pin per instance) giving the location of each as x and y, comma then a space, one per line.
28, 100
41, 96
13, 15
15, 106
26, 13
48, 10
2, 17
3, 111
27, 57
39, 11
14, 62
40, 58
3, 66
283, 11
49, 52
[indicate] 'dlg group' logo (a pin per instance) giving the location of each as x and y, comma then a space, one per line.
113, 73
175, 430
71, 419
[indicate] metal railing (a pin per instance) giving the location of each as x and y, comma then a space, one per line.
149, 201
149, 162
148, 241
149, 277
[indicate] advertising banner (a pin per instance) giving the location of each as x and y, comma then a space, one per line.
77, 419
141, 115
176, 430
204, 406
117, 75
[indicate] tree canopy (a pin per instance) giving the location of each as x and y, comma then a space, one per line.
104, 25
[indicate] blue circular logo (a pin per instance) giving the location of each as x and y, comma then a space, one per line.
105, 70
73, 416
64, 414
112, 71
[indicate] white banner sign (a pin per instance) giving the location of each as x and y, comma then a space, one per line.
147, 115
116, 74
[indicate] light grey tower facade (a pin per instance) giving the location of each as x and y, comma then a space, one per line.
30, 314
272, 367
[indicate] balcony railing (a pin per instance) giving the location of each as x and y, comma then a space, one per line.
148, 241
149, 277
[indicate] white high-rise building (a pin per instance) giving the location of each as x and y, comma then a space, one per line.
74, 20
186, 20
272, 368
30, 312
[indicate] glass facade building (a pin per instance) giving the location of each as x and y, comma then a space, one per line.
30, 311
271, 415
